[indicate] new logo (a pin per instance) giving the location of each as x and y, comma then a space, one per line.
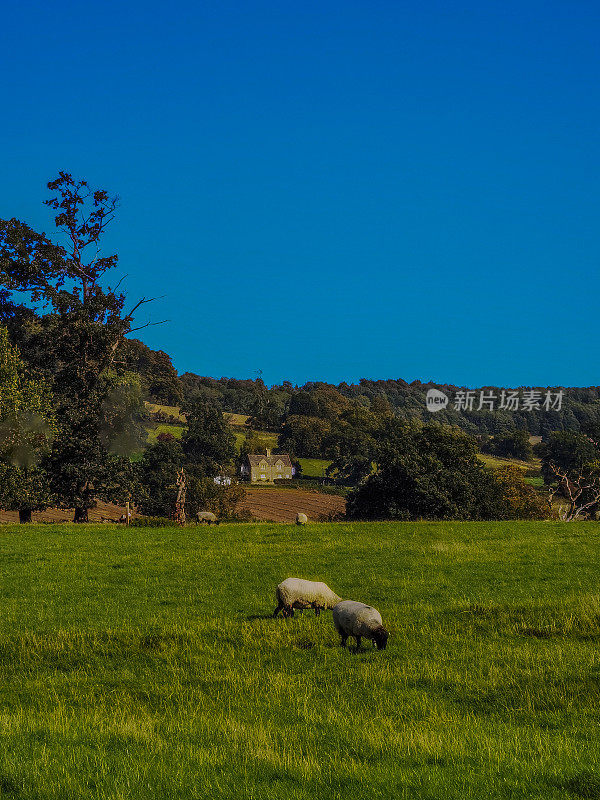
435, 400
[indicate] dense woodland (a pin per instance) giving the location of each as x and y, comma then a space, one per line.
271, 406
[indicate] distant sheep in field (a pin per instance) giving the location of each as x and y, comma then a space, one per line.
207, 518
298, 593
357, 619
301, 519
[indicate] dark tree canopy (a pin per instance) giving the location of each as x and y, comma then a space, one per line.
512, 444
160, 382
208, 442
427, 472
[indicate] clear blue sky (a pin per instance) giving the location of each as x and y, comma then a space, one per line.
329, 190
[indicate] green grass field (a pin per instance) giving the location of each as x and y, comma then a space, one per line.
495, 463
313, 467
144, 663
175, 430
171, 410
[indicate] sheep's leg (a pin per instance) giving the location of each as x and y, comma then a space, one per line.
344, 639
278, 609
317, 611
358, 642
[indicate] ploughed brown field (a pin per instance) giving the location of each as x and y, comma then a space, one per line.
270, 505
103, 512
282, 505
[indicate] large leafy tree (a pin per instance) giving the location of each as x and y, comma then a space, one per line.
522, 500
208, 444
160, 380
305, 436
27, 428
427, 472
156, 488
74, 339
353, 444
512, 444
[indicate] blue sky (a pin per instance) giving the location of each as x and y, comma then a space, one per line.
324, 190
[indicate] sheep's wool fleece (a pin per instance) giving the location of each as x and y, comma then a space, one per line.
356, 619
301, 519
303, 594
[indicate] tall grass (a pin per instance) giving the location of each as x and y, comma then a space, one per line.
145, 663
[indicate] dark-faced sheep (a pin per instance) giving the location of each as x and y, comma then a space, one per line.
298, 593
357, 619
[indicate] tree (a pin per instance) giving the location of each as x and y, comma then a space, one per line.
568, 451
571, 470
27, 428
427, 472
161, 384
156, 485
323, 401
523, 501
581, 490
75, 342
352, 443
270, 410
304, 436
513, 444
205, 495
208, 443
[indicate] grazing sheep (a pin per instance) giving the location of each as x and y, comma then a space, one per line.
356, 619
207, 517
298, 593
301, 519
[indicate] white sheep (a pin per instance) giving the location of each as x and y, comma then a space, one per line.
301, 519
207, 517
298, 593
356, 619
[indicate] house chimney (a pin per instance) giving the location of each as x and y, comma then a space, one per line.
268, 453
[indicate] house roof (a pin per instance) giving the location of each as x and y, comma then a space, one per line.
255, 459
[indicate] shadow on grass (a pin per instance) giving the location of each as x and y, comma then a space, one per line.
584, 784
537, 622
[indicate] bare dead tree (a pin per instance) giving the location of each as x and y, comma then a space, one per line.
180, 502
582, 492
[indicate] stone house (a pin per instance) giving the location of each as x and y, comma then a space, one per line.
267, 468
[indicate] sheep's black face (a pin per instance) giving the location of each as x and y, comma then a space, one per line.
380, 638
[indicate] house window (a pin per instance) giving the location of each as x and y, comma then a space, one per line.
279, 467
263, 478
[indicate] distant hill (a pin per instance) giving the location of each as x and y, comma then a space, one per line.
269, 406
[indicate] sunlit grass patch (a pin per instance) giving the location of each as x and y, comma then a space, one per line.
146, 663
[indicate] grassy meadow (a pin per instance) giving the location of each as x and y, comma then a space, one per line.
313, 467
153, 433
144, 663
